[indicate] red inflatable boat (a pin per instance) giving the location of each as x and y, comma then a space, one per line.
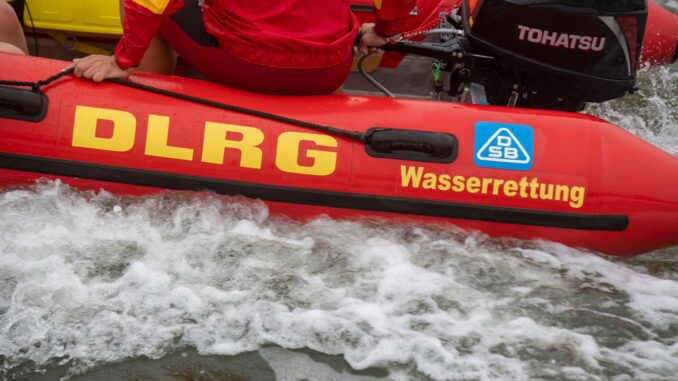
508, 172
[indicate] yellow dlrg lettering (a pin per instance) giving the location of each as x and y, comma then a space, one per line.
410, 175
287, 157
473, 185
215, 142
85, 129
157, 137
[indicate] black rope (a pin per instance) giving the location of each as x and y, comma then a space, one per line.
36, 86
355, 135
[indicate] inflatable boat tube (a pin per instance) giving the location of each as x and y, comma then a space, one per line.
507, 172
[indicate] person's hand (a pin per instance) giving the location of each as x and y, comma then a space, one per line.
371, 40
98, 68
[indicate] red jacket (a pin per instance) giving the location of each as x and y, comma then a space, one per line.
282, 33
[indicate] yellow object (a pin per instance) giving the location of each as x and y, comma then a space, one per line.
155, 6
81, 16
370, 64
72, 43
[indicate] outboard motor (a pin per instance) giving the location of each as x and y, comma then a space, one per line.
553, 54
548, 54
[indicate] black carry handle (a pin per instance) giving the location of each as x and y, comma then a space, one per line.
411, 145
22, 104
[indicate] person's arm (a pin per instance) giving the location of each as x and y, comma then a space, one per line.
391, 18
142, 21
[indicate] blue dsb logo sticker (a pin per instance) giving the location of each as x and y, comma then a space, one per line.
504, 146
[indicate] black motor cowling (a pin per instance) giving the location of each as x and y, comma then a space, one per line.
555, 53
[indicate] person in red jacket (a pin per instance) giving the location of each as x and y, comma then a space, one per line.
277, 47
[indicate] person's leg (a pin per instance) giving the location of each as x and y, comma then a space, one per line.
12, 39
159, 57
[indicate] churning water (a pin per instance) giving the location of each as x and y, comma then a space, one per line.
189, 286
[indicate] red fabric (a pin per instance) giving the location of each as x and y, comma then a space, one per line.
284, 33
138, 30
392, 16
221, 66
